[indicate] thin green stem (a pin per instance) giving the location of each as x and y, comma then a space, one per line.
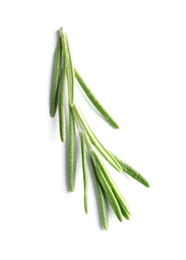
94, 140
95, 101
72, 150
56, 78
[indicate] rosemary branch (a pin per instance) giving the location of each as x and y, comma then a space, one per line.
90, 144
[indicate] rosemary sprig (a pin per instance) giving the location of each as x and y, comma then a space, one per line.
95, 101
90, 144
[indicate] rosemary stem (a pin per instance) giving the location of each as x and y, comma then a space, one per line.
95, 142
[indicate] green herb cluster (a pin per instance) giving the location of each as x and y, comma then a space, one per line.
66, 74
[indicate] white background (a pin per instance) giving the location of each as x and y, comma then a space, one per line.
133, 56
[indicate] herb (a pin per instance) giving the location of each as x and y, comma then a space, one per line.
91, 146
72, 149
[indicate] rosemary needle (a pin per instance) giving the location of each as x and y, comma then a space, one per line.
132, 172
61, 92
85, 172
95, 101
68, 84
84, 159
56, 78
70, 68
102, 198
72, 150
61, 101
103, 204
95, 142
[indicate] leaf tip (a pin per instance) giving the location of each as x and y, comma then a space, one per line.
52, 114
105, 227
86, 210
72, 188
116, 126
147, 184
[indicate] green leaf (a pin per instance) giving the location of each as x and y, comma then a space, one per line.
61, 93
95, 101
56, 78
102, 198
72, 150
132, 172
85, 172
70, 73
61, 107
